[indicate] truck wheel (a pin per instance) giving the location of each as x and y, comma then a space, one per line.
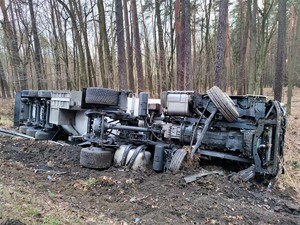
43, 135
224, 103
95, 158
177, 160
23, 129
31, 132
102, 96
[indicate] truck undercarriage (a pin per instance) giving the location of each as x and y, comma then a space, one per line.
115, 128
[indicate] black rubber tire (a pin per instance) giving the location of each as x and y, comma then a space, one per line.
177, 160
31, 132
23, 129
30, 93
43, 135
125, 154
44, 93
102, 96
136, 152
96, 158
223, 103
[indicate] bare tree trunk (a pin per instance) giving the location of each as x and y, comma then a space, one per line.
71, 11
295, 57
187, 46
109, 71
195, 79
129, 49
38, 59
179, 14
70, 83
220, 51
13, 50
172, 49
207, 44
83, 30
227, 58
138, 55
280, 50
3, 83
55, 47
148, 68
252, 26
162, 78
243, 49
122, 73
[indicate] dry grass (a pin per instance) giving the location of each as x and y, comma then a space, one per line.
291, 179
19, 202
6, 112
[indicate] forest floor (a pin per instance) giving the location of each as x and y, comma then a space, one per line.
42, 183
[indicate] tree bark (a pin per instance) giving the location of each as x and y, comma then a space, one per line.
187, 46
82, 74
243, 49
38, 59
137, 46
280, 57
122, 73
162, 78
295, 57
172, 49
129, 49
207, 9
3, 83
179, 15
220, 50
108, 62
12, 45
252, 66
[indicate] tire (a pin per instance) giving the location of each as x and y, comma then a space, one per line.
223, 103
125, 154
23, 129
31, 132
44, 94
177, 160
30, 93
136, 152
95, 158
43, 135
102, 96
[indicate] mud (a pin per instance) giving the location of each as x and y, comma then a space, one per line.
140, 197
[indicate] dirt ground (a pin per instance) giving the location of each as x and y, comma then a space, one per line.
42, 183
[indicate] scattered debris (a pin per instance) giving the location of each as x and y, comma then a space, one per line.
48, 171
247, 174
194, 177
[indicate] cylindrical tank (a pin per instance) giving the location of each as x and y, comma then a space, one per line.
143, 104
158, 159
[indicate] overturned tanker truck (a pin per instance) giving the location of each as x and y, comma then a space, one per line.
115, 128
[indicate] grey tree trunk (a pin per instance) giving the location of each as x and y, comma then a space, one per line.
129, 49
243, 48
220, 50
252, 26
38, 58
3, 83
280, 49
12, 46
122, 73
187, 48
162, 78
137, 46
295, 57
